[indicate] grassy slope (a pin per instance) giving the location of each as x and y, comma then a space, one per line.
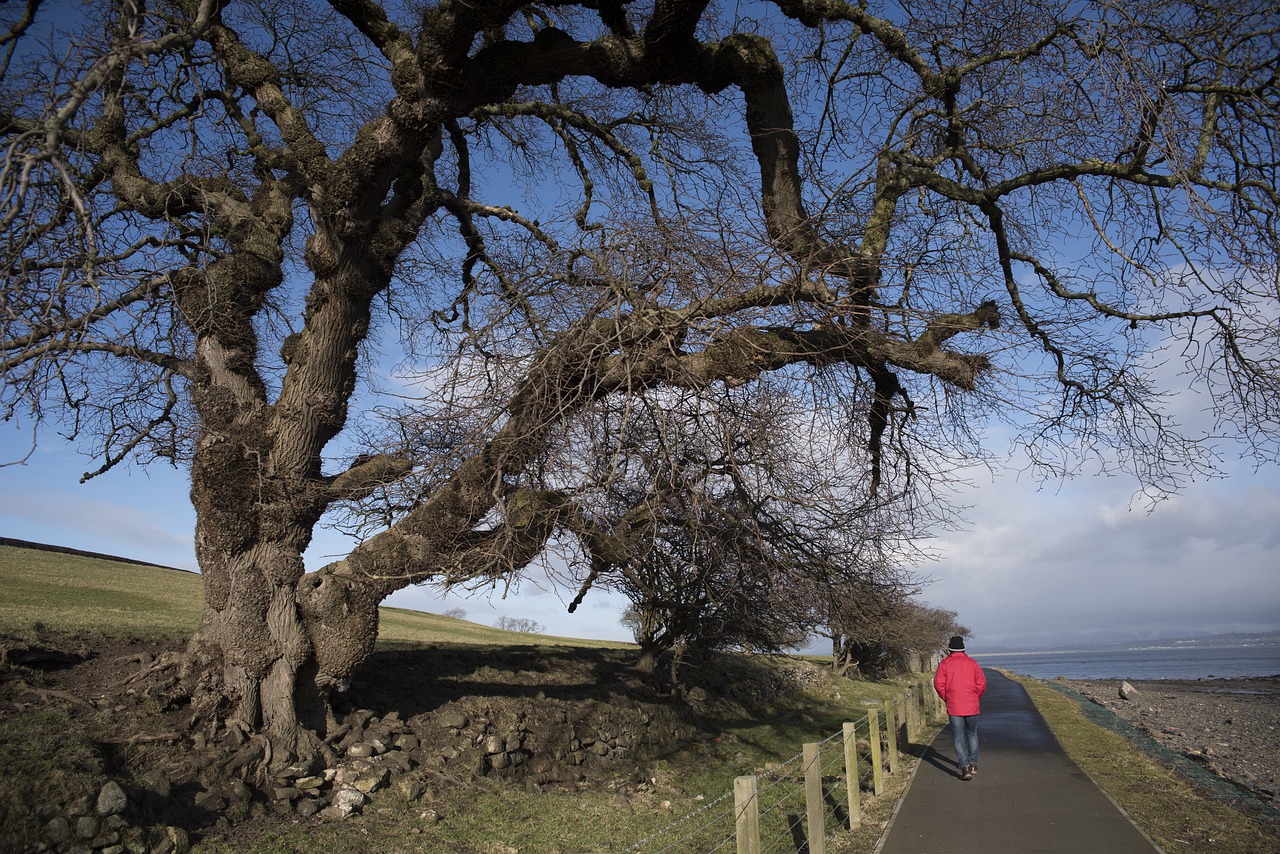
74, 593
68, 592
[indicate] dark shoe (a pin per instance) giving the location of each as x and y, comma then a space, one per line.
972, 770
968, 773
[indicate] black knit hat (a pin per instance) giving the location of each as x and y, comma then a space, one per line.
957, 644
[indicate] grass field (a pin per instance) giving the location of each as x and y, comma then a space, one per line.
85, 595
70, 592
48, 591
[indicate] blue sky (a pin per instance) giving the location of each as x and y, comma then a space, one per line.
1048, 564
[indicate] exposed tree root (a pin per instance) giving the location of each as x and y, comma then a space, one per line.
440, 775
48, 694
141, 738
164, 662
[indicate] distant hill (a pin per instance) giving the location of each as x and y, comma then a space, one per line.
45, 547
1190, 640
71, 589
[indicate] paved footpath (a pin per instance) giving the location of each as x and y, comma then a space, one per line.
1027, 796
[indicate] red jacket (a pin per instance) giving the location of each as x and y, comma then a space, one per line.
960, 682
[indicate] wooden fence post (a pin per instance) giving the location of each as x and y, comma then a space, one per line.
851, 775
746, 806
891, 729
899, 734
911, 698
877, 764
813, 806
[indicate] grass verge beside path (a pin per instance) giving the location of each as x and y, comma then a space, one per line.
877, 812
1159, 801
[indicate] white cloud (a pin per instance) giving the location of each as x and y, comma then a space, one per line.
1080, 562
127, 513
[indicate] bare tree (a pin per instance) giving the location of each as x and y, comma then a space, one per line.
217, 213
521, 624
736, 517
878, 629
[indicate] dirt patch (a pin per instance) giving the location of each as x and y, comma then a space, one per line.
1231, 727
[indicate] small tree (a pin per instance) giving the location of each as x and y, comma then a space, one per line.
733, 517
878, 630
456, 613
521, 624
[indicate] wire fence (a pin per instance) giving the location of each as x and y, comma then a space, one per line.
818, 792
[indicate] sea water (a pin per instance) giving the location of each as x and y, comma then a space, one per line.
1182, 660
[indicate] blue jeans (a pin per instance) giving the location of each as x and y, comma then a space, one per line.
964, 729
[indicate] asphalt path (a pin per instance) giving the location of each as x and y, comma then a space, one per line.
1027, 796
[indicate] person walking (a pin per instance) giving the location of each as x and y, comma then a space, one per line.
960, 682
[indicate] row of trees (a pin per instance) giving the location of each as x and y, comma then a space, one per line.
437, 272
873, 632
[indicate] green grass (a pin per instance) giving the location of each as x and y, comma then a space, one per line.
67, 592
75, 593
1167, 808
79, 594
403, 627
495, 817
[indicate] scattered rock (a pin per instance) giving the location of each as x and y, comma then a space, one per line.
1188, 716
346, 802
411, 789
453, 719
58, 830
111, 799
86, 827
606, 727
211, 801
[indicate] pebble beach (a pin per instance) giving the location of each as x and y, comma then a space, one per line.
1229, 726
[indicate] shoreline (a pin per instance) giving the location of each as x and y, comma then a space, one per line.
1228, 727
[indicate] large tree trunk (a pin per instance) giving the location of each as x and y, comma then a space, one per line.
267, 653
650, 653
272, 639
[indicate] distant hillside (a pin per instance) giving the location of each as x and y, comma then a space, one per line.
45, 547
1199, 640
70, 590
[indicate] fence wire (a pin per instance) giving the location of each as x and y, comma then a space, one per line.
692, 825
781, 804
780, 797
